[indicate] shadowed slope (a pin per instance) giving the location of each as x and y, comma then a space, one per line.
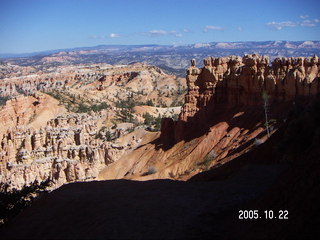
129, 209
203, 209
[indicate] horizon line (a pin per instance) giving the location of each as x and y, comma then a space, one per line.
146, 44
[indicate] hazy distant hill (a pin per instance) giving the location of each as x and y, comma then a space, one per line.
172, 58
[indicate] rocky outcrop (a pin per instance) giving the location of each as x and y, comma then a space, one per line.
233, 105
39, 140
45, 82
90, 77
32, 110
248, 81
65, 150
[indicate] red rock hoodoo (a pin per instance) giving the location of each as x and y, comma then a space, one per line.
229, 82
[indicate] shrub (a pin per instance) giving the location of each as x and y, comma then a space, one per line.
124, 115
129, 103
208, 159
83, 108
105, 134
151, 170
3, 100
148, 119
257, 141
149, 103
99, 107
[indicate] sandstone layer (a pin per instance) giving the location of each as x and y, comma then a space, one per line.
233, 104
85, 127
65, 149
230, 82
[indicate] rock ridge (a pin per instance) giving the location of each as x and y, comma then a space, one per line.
251, 80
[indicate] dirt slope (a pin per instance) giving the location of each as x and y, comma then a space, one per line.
230, 135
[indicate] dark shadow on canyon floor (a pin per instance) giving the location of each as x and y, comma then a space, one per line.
139, 210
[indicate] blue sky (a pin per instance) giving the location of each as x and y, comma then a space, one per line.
37, 25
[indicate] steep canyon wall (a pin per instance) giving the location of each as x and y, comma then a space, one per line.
234, 81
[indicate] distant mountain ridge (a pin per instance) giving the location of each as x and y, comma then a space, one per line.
155, 47
173, 58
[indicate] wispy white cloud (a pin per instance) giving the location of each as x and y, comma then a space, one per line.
156, 33
215, 28
308, 23
96, 37
114, 35
186, 30
280, 25
287, 24
304, 16
240, 29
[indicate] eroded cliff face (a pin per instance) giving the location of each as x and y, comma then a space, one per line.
231, 82
224, 116
63, 151
43, 137
33, 111
232, 105
96, 82
66, 149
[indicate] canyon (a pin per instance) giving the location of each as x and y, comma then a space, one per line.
226, 106
233, 104
246, 138
67, 125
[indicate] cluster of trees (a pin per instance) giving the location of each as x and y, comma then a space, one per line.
150, 103
13, 202
105, 134
55, 94
125, 114
153, 123
129, 103
83, 108
3, 100
74, 104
